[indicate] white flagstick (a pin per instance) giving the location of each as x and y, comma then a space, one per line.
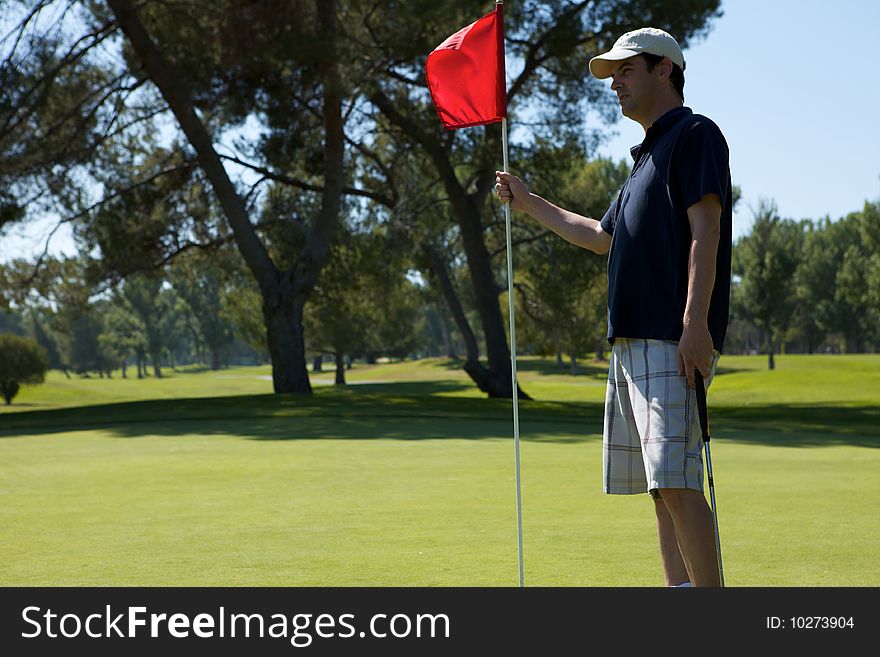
513, 360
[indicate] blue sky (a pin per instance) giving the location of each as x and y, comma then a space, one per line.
795, 88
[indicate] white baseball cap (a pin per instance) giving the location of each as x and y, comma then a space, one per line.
646, 39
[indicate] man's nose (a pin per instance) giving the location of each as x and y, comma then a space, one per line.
615, 84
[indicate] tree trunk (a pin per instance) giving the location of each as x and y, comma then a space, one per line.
295, 377
340, 368
559, 362
441, 275
215, 359
601, 342
286, 343
124, 366
854, 344
574, 364
771, 364
496, 379
157, 364
10, 390
445, 332
480, 375
317, 363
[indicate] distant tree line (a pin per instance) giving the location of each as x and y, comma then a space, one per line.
203, 310
808, 286
798, 287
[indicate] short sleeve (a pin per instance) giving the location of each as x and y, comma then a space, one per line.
610, 219
703, 163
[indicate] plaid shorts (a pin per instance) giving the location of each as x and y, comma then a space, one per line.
652, 437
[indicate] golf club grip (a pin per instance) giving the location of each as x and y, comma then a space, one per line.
701, 404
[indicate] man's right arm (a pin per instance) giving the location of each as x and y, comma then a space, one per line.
581, 231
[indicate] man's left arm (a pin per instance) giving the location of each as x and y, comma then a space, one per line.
695, 346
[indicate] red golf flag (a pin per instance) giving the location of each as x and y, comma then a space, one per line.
466, 74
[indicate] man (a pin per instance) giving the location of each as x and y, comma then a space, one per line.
669, 235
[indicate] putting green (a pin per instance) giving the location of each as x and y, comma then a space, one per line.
411, 483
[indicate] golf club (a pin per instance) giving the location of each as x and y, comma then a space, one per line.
704, 425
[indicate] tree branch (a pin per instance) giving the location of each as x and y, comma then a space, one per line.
525, 240
72, 56
533, 58
301, 184
177, 96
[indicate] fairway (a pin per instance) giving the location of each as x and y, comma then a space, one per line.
407, 479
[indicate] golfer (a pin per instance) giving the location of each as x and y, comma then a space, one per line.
669, 236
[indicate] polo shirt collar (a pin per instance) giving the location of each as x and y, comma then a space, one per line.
661, 125
670, 118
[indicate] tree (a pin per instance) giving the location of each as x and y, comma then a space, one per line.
22, 360
284, 292
340, 318
197, 279
870, 230
856, 292
363, 304
39, 320
398, 304
65, 288
325, 81
160, 313
199, 56
551, 42
11, 322
835, 279
83, 347
766, 261
242, 306
123, 336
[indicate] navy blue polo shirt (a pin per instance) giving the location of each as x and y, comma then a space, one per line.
684, 157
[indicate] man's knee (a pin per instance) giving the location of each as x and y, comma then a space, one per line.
676, 497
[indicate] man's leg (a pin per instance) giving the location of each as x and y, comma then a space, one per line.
694, 532
674, 569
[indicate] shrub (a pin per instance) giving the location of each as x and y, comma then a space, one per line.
22, 360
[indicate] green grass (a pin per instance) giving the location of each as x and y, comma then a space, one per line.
407, 479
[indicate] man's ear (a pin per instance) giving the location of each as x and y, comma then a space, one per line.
665, 66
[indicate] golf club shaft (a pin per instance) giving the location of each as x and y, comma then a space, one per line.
702, 407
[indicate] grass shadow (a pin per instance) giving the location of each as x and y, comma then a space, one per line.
589, 368
405, 388
548, 367
414, 411
327, 413
799, 425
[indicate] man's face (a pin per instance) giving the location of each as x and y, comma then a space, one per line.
635, 87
